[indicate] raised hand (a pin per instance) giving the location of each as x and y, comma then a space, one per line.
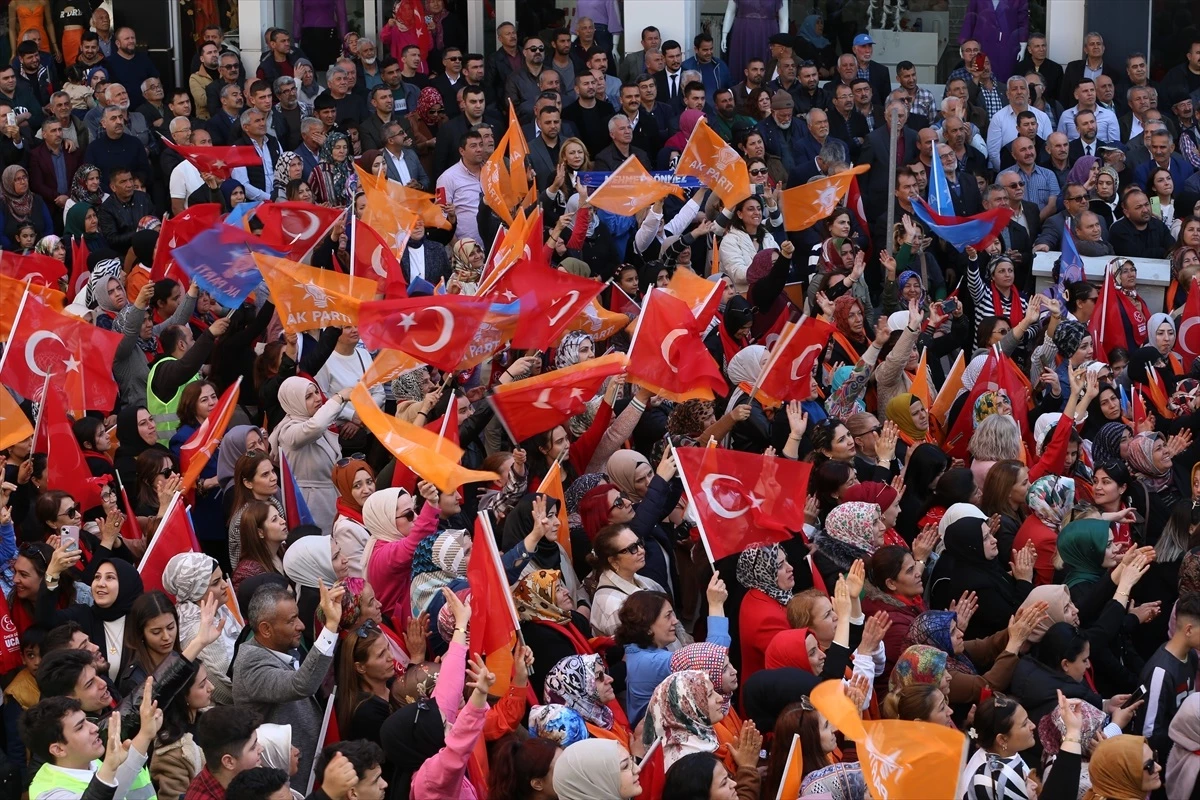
885, 445
1146, 611
480, 679
331, 604
1123, 716
717, 594
210, 627
339, 778
460, 610
874, 630
883, 331
856, 689
749, 744
825, 304
415, 635
856, 578
1022, 624
964, 608
1022, 565
429, 492
841, 598
115, 752
889, 263
797, 418
924, 543
812, 510
1179, 442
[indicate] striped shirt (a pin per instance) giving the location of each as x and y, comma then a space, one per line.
982, 295
988, 776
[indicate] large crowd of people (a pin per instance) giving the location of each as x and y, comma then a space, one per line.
1017, 558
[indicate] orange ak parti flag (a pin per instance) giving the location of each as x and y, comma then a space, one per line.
702, 296
718, 166
598, 322
14, 425
200, 446
742, 499
793, 772
430, 456
899, 758
502, 178
667, 355
945, 398
537, 404
552, 486
413, 200
388, 365
446, 427
308, 298
786, 374
814, 201
630, 188
11, 292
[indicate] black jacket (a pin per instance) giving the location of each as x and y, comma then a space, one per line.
119, 221
1152, 242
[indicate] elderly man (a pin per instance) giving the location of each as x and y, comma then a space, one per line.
122, 210
1003, 126
117, 149
185, 178
74, 130
1137, 103
154, 110
51, 168
1039, 183
1075, 202
1163, 155
613, 156
1091, 66
222, 124
258, 180
135, 124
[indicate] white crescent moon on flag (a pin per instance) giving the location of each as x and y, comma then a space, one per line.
667, 341
800, 359
719, 509
571, 298
31, 349
447, 331
377, 261
1183, 334
313, 222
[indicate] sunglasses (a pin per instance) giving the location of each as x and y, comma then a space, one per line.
453, 58
35, 555
368, 628
1150, 767
166, 472
538, 49
633, 548
758, 172
1011, 185
345, 462
73, 511
621, 502
409, 515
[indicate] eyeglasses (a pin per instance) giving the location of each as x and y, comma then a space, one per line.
878, 429
345, 462
72, 512
368, 628
409, 515
758, 172
620, 502
633, 548
537, 49
1014, 184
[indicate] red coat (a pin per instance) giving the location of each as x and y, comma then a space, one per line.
759, 619
1045, 539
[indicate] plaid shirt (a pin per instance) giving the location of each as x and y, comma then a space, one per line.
993, 101
1187, 145
922, 103
204, 787
1039, 185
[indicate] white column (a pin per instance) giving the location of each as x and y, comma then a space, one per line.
675, 19
1064, 29
506, 11
253, 20
475, 27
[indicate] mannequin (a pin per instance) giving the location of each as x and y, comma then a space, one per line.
319, 26
752, 23
606, 14
1001, 27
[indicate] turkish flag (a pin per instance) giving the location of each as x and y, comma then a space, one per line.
199, 448
11, 292
814, 201
374, 258
295, 228
66, 468
37, 268
542, 402
718, 166
900, 758
667, 355
434, 458
494, 621
437, 330
1138, 405
220, 161
447, 428
742, 499
78, 279
786, 374
174, 536
557, 299
702, 296
522, 240
630, 188
998, 374
14, 425
1187, 344
652, 772
552, 486
307, 298
177, 231
79, 355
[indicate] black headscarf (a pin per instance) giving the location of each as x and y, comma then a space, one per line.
129, 588
143, 243
410, 737
131, 446
967, 567
769, 691
519, 523
926, 463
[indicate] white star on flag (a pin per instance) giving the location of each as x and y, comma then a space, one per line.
71, 364
219, 164
508, 295
407, 321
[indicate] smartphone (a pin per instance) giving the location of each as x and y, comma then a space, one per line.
69, 537
12, 118
1133, 698
980, 62
440, 195
949, 307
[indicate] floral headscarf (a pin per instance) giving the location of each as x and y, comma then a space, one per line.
1141, 461
904, 278
557, 723
438, 560
18, 207
46, 245
282, 168
854, 524
572, 682
837, 782
919, 664
340, 172
1189, 573
708, 658
1180, 402
79, 192
430, 99
758, 567
678, 715
534, 596
1106, 444
1052, 729
567, 354
987, 405
936, 629
1051, 498
841, 315
463, 270
351, 605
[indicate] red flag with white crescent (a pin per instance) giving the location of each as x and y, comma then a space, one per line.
374, 258
542, 402
174, 536
40, 269
294, 227
219, 160
558, 298
786, 374
437, 330
668, 356
177, 231
1187, 344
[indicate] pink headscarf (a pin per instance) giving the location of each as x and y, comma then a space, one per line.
687, 123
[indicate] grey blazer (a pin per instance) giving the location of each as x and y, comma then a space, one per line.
414, 168
283, 695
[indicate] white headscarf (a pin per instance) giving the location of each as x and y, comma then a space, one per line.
379, 518
745, 367
291, 400
310, 559
953, 514
589, 769
186, 576
1043, 425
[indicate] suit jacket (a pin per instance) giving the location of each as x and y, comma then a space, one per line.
1051, 234
41, 173
370, 131
1075, 149
1051, 72
262, 682
967, 200
449, 93
223, 129
415, 171
609, 158
437, 263
676, 103
881, 81
544, 164
308, 158
875, 151
1039, 149
568, 131
1073, 74
632, 65
496, 70
852, 131
255, 174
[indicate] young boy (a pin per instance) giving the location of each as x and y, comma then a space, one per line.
24, 688
1170, 675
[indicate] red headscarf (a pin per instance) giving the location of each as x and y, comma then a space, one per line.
789, 649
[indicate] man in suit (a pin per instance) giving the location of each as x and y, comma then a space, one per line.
258, 180
1132, 122
634, 64
1163, 155
222, 124
877, 74
1015, 239
533, 130
272, 677
670, 80
621, 148
450, 80
504, 61
400, 160
1025, 212
544, 149
1137, 73
445, 152
370, 129
1090, 66
312, 136
645, 128
662, 114
955, 133
1027, 126
1037, 60
865, 103
845, 123
1087, 144
51, 168
1075, 201
876, 150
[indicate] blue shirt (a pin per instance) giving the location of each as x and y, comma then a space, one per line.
647, 667
1040, 185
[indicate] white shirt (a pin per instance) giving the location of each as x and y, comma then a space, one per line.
462, 192
401, 167
343, 372
324, 644
240, 175
416, 262
185, 179
1002, 131
676, 77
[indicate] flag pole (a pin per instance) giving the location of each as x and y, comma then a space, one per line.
166, 515
780, 345
37, 425
641, 314
16, 321
687, 489
787, 767
353, 241
891, 214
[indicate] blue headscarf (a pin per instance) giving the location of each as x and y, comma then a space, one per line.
840, 376
808, 32
557, 723
903, 279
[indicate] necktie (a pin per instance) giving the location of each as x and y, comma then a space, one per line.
674, 86
1087, 149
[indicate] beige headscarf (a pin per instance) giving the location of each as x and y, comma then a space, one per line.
291, 400
622, 470
1058, 597
379, 518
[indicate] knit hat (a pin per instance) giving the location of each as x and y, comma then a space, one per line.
760, 266
781, 99
1068, 336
